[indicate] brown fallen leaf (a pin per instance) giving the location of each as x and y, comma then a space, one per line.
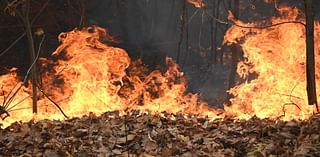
117, 151
181, 136
126, 139
149, 146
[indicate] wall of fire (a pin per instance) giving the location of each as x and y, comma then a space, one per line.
150, 29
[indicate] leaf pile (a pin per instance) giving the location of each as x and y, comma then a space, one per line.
140, 134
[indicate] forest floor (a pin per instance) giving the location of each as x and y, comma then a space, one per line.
137, 134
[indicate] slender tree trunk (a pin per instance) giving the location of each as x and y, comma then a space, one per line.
216, 13
311, 83
234, 49
186, 56
34, 76
182, 24
236, 8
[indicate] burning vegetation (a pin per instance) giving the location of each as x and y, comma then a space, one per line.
92, 76
130, 109
95, 77
277, 56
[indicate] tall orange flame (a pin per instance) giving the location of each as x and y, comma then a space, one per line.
278, 57
95, 77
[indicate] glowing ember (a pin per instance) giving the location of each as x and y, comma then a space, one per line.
278, 57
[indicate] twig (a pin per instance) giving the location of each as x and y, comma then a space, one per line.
10, 109
7, 103
287, 104
291, 102
192, 16
269, 26
12, 44
52, 101
291, 92
4, 107
34, 62
231, 23
19, 109
24, 33
291, 96
17, 26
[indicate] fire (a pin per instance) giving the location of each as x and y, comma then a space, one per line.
92, 72
93, 76
277, 55
96, 77
21, 102
102, 78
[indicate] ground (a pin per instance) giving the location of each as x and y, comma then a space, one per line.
139, 134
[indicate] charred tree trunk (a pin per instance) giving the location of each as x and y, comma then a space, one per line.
311, 83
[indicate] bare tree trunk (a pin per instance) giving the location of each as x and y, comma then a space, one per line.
311, 86
182, 24
234, 49
311, 83
236, 8
214, 23
34, 76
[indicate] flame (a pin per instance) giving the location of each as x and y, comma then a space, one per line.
277, 56
96, 77
21, 102
93, 76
